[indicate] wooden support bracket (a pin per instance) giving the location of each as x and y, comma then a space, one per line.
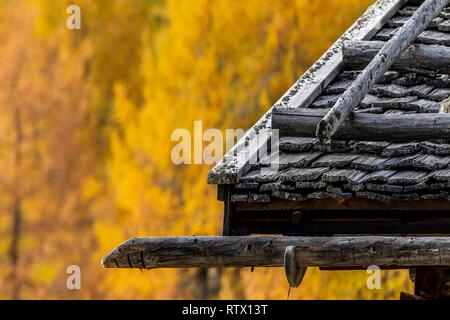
294, 272
267, 251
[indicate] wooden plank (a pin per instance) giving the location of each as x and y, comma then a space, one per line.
381, 63
435, 148
362, 126
334, 146
297, 144
400, 162
343, 175
265, 251
373, 147
360, 227
439, 95
399, 91
310, 184
319, 195
412, 78
284, 160
434, 37
236, 162
426, 106
408, 177
278, 186
385, 34
384, 188
353, 74
370, 163
335, 160
349, 204
408, 11
445, 13
247, 185
289, 196
403, 103
378, 176
431, 162
418, 57
400, 21
401, 149
442, 175
324, 101
439, 80
444, 26
306, 174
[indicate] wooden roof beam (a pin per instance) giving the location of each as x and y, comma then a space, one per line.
365, 126
381, 63
265, 251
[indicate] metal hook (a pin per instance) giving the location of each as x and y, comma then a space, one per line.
294, 273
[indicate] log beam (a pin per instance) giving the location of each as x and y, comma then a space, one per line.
373, 127
417, 58
377, 67
265, 251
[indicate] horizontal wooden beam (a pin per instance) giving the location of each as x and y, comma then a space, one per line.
364, 126
354, 204
418, 57
264, 251
313, 223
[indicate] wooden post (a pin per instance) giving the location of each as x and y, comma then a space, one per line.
378, 66
265, 251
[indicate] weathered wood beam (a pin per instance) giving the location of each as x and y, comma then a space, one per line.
264, 251
381, 63
418, 57
347, 205
365, 126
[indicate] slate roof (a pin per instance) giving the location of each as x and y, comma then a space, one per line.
383, 171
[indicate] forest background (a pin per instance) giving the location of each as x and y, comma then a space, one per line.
86, 118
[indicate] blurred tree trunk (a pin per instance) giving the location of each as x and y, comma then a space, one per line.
236, 285
215, 282
201, 291
16, 207
207, 283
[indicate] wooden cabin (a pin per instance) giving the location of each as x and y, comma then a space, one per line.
380, 185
